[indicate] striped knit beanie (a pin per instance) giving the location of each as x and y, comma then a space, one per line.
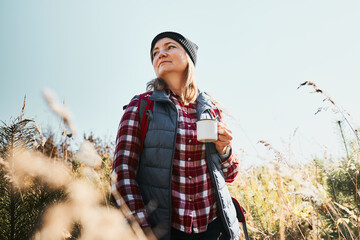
190, 47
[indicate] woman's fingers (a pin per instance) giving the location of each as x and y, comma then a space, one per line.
221, 145
224, 137
224, 132
222, 125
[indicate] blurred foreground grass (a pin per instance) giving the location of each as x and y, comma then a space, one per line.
49, 191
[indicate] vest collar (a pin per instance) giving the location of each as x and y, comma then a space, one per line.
159, 96
203, 101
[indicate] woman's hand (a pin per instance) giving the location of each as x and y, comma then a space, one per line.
224, 138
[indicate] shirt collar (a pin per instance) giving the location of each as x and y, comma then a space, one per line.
172, 94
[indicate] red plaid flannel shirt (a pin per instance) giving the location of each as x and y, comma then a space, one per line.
194, 205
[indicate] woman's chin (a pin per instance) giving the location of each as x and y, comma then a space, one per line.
164, 73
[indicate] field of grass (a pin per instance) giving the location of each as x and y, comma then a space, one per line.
49, 191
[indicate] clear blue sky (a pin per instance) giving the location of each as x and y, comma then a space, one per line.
252, 56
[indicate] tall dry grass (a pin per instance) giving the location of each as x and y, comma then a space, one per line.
285, 199
84, 181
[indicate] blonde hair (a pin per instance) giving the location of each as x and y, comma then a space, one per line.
190, 92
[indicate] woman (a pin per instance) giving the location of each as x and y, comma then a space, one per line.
173, 184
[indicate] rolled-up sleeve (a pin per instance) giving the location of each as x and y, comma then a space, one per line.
230, 167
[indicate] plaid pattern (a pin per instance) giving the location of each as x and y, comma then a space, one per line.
125, 162
193, 198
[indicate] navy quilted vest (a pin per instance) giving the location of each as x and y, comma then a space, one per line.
155, 168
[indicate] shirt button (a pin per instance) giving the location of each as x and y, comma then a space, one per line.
190, 199
190, 141
189, 159
185, 112
190, 177
189, 125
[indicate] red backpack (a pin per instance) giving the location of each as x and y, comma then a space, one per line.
146, 106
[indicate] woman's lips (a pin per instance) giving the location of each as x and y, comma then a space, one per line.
163, 62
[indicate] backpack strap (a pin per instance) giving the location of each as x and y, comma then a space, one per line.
145, 106
125, 106
240, 214
239, 210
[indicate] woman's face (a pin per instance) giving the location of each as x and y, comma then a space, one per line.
169, 57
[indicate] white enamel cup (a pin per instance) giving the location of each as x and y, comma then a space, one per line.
206, 130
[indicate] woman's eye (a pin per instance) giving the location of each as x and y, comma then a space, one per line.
168, 48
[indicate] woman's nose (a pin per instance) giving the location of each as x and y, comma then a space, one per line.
162, 53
